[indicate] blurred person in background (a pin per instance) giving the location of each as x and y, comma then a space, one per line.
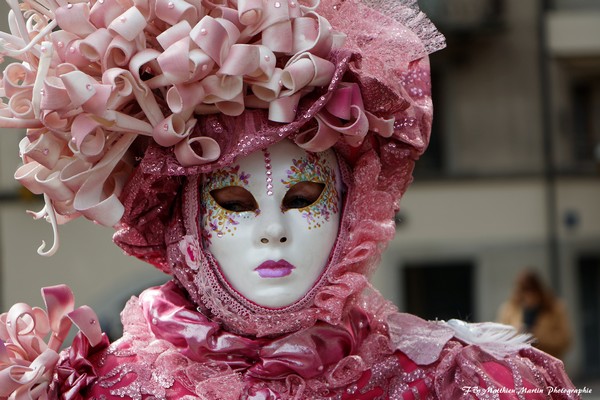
534, 309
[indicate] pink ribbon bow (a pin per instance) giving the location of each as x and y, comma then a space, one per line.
27, 362
306, 353
344, 118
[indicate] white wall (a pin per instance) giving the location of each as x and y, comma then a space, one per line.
87, 261
574, 33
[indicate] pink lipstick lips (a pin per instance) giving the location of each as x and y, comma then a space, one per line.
274, 269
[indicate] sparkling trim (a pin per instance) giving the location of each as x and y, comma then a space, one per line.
268, 172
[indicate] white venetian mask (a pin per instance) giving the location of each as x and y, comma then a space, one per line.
271, 221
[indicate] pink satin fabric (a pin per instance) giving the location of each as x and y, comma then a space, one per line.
75, 372
305, 353
169, 350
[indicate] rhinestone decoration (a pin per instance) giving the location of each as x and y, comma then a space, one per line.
268, 172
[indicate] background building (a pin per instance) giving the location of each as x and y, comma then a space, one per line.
511, 179
512, 176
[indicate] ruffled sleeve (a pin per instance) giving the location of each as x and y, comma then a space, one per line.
457, 360
469, 372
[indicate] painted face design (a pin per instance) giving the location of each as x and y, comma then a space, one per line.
271, 222
313, 168
221, 221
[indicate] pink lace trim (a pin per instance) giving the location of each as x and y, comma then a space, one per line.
144, 363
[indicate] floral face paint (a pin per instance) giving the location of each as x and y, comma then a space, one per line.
314, 168
273, 257
220, 221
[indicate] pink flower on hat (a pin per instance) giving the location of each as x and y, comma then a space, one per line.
190, 248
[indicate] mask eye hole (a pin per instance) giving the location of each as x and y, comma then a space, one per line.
302, 194
235, 199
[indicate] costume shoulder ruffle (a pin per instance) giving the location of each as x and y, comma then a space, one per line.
483, 360
439, 360
31, 364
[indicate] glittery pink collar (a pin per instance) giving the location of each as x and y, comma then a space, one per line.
307, 353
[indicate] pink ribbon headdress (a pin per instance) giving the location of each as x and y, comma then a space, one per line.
192, 85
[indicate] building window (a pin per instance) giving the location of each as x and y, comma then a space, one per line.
439, 290
585, 100
589, 302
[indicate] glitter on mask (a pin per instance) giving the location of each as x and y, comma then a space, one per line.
217, 219
314, 168
268, 172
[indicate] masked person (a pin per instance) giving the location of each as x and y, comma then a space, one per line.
255, 151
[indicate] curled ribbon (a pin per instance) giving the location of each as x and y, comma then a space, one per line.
114, 71
343, 118
27, 362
